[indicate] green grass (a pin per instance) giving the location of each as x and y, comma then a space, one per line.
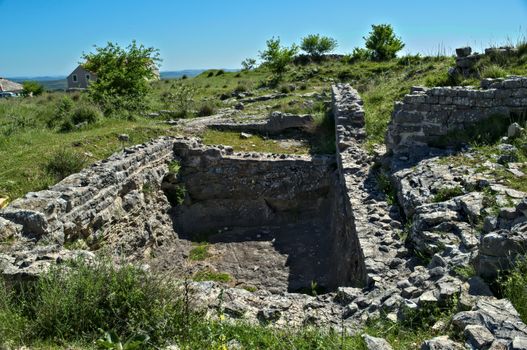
67, 307
200, 252
256, 143
25, 155
514, 285
447, 193
209, 275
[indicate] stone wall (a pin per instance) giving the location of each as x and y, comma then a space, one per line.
224, 189
100, 197
429, 116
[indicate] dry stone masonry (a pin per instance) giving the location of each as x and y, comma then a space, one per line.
429, 116
280, 224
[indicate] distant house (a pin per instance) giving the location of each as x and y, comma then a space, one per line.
10, 86
80, 78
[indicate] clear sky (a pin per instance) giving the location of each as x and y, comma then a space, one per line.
48, 37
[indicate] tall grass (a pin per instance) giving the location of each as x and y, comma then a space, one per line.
515, 287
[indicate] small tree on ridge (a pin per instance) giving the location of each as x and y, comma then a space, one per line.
316, 45
383, 42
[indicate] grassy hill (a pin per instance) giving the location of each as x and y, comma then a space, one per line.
31, 126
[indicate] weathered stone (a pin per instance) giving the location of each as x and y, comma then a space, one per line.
514, 130
441, 343
373, 343
478, 336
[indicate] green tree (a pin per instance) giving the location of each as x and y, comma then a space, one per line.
248, 64
316, 45
383, 42
32, 88
278, 57
123, 75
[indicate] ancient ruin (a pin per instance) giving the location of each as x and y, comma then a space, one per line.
281, 224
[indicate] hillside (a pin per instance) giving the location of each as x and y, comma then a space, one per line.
352, 204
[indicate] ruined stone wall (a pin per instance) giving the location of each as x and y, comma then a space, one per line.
106, 194
224, 189
428, 115
349, 131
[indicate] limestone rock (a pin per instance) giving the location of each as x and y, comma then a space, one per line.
478, 336
373, 343
441, 343
514, 130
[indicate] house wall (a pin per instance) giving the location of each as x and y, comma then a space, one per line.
82, 82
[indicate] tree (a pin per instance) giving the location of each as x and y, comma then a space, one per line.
32, 88
316, 45
277, 57
123, 75
248, 64
383, 43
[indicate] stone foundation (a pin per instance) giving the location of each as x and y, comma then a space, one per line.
430, 116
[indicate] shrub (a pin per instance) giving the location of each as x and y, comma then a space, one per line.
180, 97
359, 54
85, 114
447, 193
248, 64
492, 71
32, 88
206, 109
383, 43
220, 72
277, 58
316, 45
64, 163
75, 300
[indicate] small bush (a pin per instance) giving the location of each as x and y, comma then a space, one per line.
85, 114
220, 72
248, 64
447, 193
206, 109
316, 45
210, 74
64, 163
493, 71
32, 88
359, 54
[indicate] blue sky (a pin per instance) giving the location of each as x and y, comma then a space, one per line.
48, 37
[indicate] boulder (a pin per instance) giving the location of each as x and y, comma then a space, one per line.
373, 343
478, 336
463, 51
514, 130
441, 343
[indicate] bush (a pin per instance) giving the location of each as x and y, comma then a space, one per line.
32, 88
220, 72
359, 54
316, 45
248, 64
383, 43
277, 58
85, 114
64, 163
180, 97
206, 109
76, 300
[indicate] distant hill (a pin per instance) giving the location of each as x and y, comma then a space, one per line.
58, 82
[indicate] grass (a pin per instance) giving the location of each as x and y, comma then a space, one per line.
69, 305
200, 252
446, 193
24, 155
256, 143
514, 286
209, 275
